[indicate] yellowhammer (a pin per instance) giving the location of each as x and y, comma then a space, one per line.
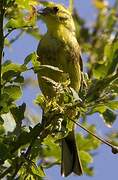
59, 48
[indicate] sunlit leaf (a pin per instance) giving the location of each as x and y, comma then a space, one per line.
87, 143
38, 171
51, 148
26, 4
113, 105
11, 70
9, 122
13, 91
40, 100
85, 156
9, 65
31, 57
99, 108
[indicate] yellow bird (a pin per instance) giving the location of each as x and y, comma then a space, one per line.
59, 48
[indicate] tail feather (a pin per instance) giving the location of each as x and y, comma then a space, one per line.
70, 157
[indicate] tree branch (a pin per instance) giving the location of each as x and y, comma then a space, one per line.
1, 37
113, 147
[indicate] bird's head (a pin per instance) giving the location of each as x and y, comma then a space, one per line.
55, 15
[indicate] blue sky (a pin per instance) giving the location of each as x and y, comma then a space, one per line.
105, 163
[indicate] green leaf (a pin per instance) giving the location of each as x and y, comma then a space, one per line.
110, 51
22, 140
109, 117
26, 4
13, 91
10, 70
86, 157
7, 76
114, 63
18, 23
18, 112
12, 23
51, 148
40, 100
112, 19
113, 105
99, 108
4, 103
97, 87
9, 65
4, 151
19, 79
87, 143
31, 57
99, 71
111, 55
38, 171
109, 63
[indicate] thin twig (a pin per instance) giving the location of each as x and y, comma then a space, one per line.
16, 37
114, 148
9, 32
1, 37
12, 29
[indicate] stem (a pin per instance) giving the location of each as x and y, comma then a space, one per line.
9, 32
1, 38
114, 148
18, 28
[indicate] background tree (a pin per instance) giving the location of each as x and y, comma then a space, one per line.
28, 146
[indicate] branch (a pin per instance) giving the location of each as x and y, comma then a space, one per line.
16, 38
1, 37
17, 28
9, 32
114, 148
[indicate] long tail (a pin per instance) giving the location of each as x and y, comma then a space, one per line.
70, 157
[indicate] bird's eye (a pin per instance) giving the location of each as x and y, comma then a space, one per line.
55, 9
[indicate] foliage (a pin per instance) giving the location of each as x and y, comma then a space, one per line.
25, 151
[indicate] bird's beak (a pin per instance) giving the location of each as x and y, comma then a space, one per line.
44, 11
